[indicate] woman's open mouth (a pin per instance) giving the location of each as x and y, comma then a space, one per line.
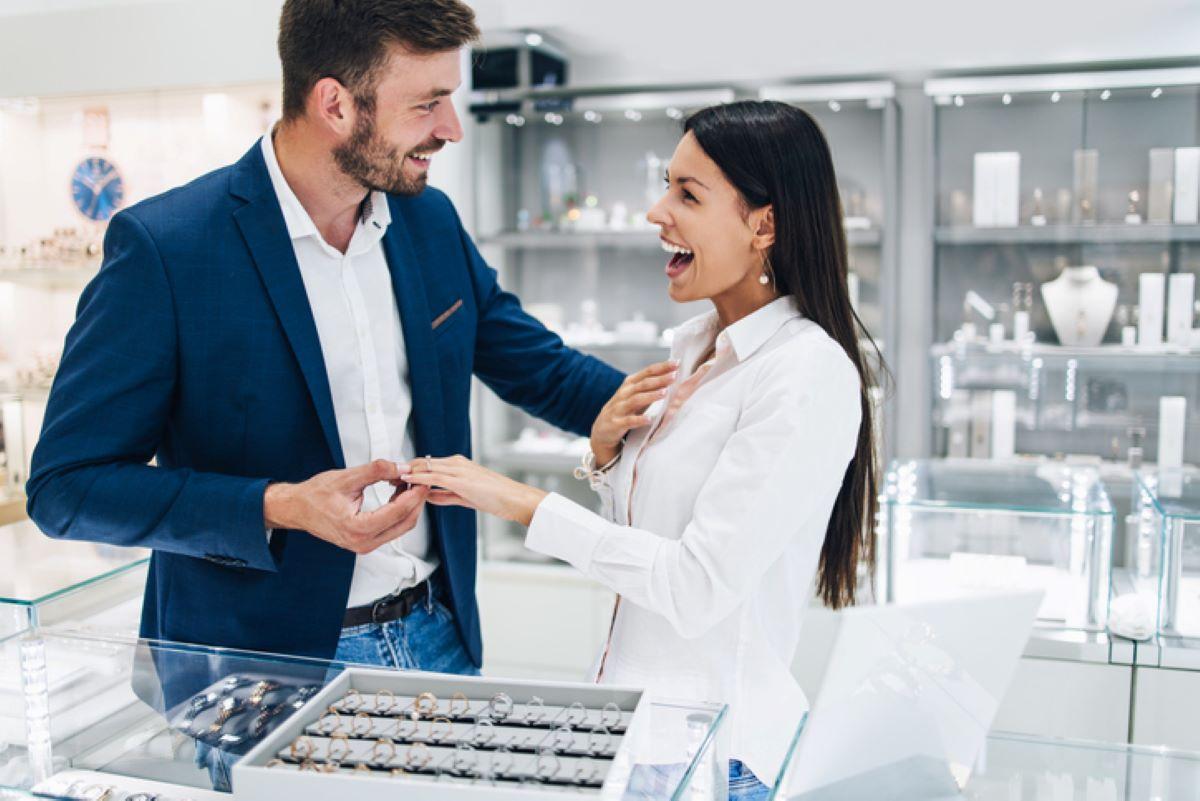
681, 259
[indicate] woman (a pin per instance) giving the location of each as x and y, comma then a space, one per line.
740, 472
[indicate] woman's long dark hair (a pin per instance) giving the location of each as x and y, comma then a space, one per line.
775, 154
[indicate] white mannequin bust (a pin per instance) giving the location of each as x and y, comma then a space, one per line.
1080, 304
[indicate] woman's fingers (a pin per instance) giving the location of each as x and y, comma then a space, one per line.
659, 368
633, 421
642, 401
446, 498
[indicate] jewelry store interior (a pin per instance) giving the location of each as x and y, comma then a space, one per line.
1023, 231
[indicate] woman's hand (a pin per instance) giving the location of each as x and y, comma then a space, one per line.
625, 410
461, 482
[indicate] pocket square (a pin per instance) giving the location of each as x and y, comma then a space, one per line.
441, 318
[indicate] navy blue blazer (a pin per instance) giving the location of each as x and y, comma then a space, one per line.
195, 345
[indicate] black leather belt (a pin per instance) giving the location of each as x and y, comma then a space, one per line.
388, 608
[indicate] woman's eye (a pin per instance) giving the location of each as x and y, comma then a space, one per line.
689, 196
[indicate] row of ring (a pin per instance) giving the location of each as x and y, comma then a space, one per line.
599, 741
464, 761
500, 707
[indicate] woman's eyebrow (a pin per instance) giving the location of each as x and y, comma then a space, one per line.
685, 180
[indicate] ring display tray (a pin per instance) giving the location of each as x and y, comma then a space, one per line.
370, 733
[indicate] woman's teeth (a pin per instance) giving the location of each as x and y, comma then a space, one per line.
673, 248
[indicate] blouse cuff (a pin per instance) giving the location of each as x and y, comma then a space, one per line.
565, 530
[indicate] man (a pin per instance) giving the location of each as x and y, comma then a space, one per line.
284, 335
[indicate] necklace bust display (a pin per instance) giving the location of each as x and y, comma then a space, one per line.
1080, 304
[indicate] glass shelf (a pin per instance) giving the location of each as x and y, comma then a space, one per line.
1014, 767
1102, 233
69, 276
958, 526
1168, 536
65, 584
637, 239
112, 707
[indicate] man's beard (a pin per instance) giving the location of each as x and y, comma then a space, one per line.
374, 163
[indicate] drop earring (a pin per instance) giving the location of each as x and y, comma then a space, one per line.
766, 276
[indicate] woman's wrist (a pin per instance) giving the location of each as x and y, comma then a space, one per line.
527, 502
603, 454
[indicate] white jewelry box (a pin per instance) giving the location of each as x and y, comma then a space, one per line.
254, 781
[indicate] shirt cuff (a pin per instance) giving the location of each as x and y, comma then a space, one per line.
565, 530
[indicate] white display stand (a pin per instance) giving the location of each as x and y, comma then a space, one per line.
253, 780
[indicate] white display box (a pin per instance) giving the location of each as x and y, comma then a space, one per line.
253, 780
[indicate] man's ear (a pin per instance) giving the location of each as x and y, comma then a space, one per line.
331, 103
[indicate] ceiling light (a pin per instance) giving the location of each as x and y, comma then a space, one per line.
835, 106
554, 119
958, 101
633, 115
515, 119
533, 39
1105, 95
1007, 99
592, 116
1057, 96
1157, 93
674, 113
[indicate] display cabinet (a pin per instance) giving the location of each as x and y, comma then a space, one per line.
1066, 248
563, 184
1168, 551
956, 526
1019, 768
63, 584
146, 703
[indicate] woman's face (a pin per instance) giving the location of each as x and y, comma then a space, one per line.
716, 250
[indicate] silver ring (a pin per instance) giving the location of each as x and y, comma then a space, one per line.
428, 463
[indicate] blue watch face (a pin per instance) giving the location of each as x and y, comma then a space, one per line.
97, 188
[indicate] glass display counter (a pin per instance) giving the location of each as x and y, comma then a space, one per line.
1018, 768
956, 526
1169, 550
128, 713
63, 584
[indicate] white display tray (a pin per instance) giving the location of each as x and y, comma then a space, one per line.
254, 781
124, 786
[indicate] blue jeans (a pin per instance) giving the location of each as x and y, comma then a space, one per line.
656, 782
425, 639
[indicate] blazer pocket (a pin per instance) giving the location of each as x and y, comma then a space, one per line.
447, 314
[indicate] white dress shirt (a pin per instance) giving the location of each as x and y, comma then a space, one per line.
714, 552
358, 324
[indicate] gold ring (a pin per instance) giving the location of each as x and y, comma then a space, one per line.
428, 464
354, 695
425, 704
460, 698
385, 743
331, 720
308, 764
362, 767
379, 696
418, 756
335, 739
308, 748
274, 763
362, 717
445, 723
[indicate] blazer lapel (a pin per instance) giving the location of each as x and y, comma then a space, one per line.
261, 223
416, 323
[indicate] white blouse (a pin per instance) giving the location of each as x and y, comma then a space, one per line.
714, 553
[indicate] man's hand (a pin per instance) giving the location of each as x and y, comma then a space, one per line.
329, 506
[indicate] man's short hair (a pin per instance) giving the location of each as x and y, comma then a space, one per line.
348, 40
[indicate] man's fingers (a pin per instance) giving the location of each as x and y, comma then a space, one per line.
371, 473
401, 528
369, 524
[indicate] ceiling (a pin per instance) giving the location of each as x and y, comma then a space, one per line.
683, 41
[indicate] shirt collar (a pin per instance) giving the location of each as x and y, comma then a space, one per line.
376, 215
748, 334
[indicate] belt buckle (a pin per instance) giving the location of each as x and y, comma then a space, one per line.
378, 607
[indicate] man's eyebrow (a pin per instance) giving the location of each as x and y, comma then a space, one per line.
436, 93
